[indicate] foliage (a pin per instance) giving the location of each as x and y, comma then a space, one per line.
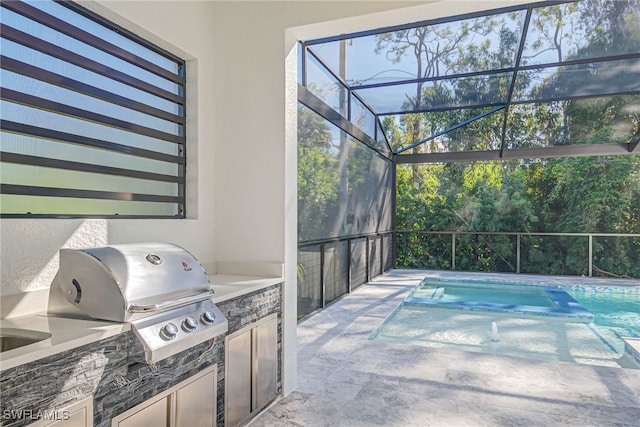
567, 195
318, 190
342, 187
576, 195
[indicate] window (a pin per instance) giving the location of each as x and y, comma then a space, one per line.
93, 117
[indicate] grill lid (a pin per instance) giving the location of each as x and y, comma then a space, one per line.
130, 281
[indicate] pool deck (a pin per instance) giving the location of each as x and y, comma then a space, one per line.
345, 379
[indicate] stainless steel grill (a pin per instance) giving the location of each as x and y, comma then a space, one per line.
160, 288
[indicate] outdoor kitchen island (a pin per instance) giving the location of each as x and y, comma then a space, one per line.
108, 377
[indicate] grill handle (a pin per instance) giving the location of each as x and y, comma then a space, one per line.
146, 308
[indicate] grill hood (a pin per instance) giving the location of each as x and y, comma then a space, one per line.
126, 282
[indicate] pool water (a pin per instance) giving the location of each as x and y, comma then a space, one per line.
618, 308
615, 311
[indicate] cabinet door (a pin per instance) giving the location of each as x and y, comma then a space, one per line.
238, 379
196, 402
156, 414
80, 414
79, 418
265, 363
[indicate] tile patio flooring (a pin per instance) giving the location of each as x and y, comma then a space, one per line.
344, 379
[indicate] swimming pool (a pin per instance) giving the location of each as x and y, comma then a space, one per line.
463, 316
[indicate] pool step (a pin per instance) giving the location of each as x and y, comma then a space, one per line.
435, 293
632, 346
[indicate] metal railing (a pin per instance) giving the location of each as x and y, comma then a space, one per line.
330, 268
513, 258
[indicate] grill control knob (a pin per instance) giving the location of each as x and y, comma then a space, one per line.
189, 324
169, 331
208, 317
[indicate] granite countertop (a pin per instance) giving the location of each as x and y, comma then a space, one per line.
227, 286
68, 333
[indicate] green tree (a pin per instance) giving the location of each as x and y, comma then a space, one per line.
317, 190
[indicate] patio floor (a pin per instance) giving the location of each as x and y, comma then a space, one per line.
344, 379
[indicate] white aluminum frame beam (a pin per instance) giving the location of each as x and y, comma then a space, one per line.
521, 153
